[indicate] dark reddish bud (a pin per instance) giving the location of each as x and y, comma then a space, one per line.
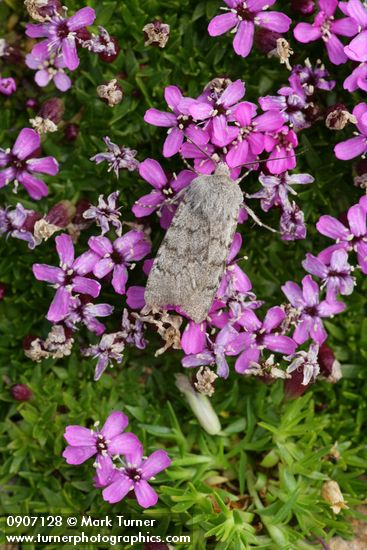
27, 341
71, 131
61, 214
31, 219
293, 386
2, 291
81, 207
53, 109
110, 58
304, 7
21, 392
312, 112
329, 365
32, 103
265, 40
361, 167
83, 34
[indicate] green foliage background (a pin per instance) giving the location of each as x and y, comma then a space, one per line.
269, 448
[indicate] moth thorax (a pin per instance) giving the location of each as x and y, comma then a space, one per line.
222, 170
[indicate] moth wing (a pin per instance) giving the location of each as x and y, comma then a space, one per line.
191, 260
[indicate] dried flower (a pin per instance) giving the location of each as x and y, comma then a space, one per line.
332, 494
337, 117
156, 34
43, 125
204, 381
111, 93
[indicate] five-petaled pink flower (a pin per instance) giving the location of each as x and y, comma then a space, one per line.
60, 34
20, 164
243, 17
357, 145
67, 278
83, 443
326, 27
134, 476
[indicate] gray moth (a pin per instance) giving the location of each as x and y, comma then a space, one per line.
191, 260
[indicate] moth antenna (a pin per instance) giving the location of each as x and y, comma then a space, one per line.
261, 161
187, 164
201, 150
257, 220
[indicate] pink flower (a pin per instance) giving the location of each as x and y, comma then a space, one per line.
60, 33
242, 17
281, 145
67, 278
310, 309
180, 122
262, 335
357, 79
49, 69
7, 86
116, 257
357, 48
134, 476
349, 238
163, 199
326, 27
355, 146
20, 164
105, 443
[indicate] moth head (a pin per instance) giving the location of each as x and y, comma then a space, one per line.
223, 170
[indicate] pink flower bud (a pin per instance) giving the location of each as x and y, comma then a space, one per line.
304, 7
71, 132
61, 214
53, 110
2, 291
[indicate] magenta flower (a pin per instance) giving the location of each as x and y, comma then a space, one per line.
281, 145
14, 223
108, 351
82, 310
307, 362
106, 213
7, 86
310, 309
327, 28
227, 342
179, 122
134, 476
313, 78
292, 223
60, 34
242, 17
357, 79
336, 276
67, 278
163, 199
118, 157
234, 279
355, 146
193, 339
20, 164
275, 189
216, 113
349, 238
357, 48
83, 443
49, 69
291, 102
261, 335
250, 140
116, 257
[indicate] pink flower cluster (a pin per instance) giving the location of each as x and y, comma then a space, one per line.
121, 467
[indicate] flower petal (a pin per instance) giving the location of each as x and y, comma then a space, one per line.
60, 305
78, 436
37, 189
244, 38
155, 463
70, 53
160, 118
305, 32
78, 455
173, 142
222, 23
119, 279
193, 339
82, 18
357, 220
246, 358
114, 425
145, 494
118, 489
84, 285
45, 165
274, 21
26, 143
123, 444
48, 273
152, 172
65, 250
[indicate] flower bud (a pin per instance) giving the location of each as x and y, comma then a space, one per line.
304, 7
338, 116
111, 93
2, 291
293, 386
30, 221
71, 132
156, 33
110, 58
265, 40
200, 406
329, 365
61, 214
21, 392
156, 546
32, 103
53, 110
